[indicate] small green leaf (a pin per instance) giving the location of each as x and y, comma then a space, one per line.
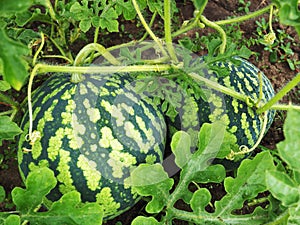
27, 200
4, 86
201, 198
214, 173
141, 220
85, 25
125, 8
2, 194
14, 66
8, 7
13, 220
8, 129
151, 180
245, 52
108, 20
282, 187
181, 147
289, 148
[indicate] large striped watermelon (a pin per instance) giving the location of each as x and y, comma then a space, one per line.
92, 133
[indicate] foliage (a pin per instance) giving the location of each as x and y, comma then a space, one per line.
284, 185
248, 183
68, 210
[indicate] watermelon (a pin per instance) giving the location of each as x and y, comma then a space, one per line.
92, 134
206, 105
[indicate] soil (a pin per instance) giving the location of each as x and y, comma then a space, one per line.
279, 73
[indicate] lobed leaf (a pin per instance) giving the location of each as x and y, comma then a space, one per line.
28, 199
282, 187
8, 129
249, 182
151, 180
125, 8
69, 210
108, 20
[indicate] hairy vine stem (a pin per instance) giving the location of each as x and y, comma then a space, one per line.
168, 32
147, 28
288, 87
219, 29
245, 17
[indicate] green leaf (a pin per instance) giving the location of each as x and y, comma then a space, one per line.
27, 200
125, 8
289, 148
156, 6
151, 180
108, 20
8, 129
14, 65
70, 210
294, 215
8, 7
181, 147
282, 187
201, 198
289, 13
141, 220
13, 220
227, 142
249, 182
200, 4
213, 138
4, 86
214, 173
2, 194
245, 52
85, 25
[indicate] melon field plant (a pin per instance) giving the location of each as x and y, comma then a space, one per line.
159, 119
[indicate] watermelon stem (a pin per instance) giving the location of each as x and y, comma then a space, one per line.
223, 89
90, 48
245, 17
148, 29
219, 29
294, 82
168, 33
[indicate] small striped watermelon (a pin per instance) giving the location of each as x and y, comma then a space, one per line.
92, 134
241, 120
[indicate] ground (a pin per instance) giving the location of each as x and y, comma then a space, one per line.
279, 73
